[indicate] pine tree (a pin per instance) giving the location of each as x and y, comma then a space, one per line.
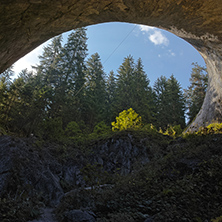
170, 102
143, 94
124, 90
50, 72
74, 55
161, 96
133, 90
195, 93
110, 95
95, 91
176, 102
5, 82
75, 52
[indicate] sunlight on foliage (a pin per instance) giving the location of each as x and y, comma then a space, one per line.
127, 119
213, 128
173, 130
150, 128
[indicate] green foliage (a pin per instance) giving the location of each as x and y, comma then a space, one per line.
72, 129
68, 86
173, 131
213, 128
2, 131
133, 90
150, 128
170, 131
19, 210
95, 100
19, 205
178, 130
170, 102
195, 93
127, 119
101, 128
52, 129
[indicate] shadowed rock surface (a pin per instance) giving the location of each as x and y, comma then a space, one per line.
129, 176
22, 163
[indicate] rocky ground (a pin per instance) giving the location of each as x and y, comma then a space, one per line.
127, 176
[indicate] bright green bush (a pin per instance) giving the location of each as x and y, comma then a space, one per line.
127, 119
101, 128
72, 129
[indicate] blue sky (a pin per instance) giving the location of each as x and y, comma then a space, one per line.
162, 53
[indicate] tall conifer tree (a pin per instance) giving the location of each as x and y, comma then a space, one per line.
95, 90
170, 102
74, 55
195, 93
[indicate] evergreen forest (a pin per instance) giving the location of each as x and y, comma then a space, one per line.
69, 93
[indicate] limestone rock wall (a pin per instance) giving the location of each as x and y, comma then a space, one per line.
27, 168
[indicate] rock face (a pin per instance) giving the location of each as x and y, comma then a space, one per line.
23, 166
27, 24
40, 170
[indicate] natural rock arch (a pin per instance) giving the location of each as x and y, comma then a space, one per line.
27, 24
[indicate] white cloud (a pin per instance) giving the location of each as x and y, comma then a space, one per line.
158, 38
145, 28
154, 35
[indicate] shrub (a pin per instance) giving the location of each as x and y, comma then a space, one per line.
170, 131
2, 131
72, 129
214, 128
178, 130
101, 128
52, 128
150, 128
127, 119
